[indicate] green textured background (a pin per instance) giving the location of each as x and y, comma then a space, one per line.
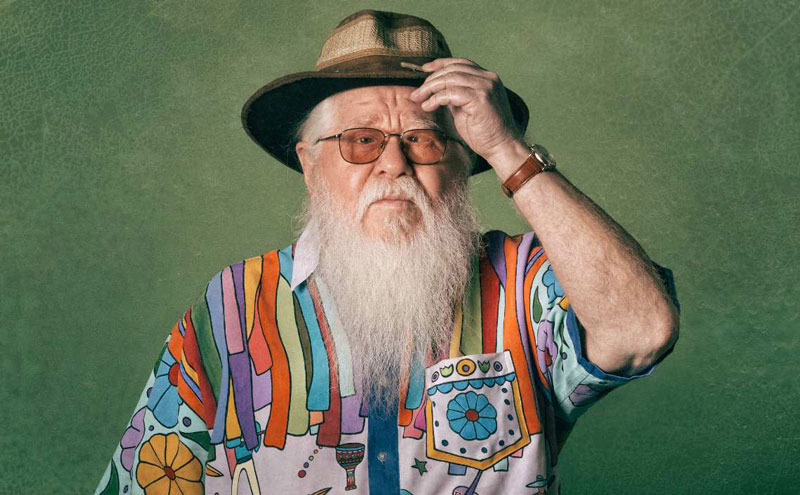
127, 181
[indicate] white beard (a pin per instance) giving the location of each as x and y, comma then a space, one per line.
395, 294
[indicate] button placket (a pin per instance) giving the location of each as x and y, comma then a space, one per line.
382, 444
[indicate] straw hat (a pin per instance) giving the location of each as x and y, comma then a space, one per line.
365, 49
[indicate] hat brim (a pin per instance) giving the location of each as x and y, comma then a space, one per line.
271, 115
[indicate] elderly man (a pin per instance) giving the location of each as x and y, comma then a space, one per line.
394, 348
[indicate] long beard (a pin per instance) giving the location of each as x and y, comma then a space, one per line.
395, 294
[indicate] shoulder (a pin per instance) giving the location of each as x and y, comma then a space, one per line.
247, 272
235, 287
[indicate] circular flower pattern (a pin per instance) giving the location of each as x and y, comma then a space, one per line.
167, 465
471, 416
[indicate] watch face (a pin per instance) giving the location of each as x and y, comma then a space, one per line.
543, 155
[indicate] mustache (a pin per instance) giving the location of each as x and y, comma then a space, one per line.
402, 188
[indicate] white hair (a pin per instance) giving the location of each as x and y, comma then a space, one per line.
395, 294
315, 123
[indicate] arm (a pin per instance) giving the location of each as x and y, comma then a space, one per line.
167, 444
628, 317
612, 285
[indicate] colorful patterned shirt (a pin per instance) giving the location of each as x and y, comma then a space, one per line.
254, 390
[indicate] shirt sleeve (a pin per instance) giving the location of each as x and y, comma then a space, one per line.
574, 382
166, 444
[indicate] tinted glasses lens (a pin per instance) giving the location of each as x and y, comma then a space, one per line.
360, 145
424, 146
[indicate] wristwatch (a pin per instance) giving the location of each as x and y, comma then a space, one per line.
539, 160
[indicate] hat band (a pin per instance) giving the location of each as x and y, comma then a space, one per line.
379, 64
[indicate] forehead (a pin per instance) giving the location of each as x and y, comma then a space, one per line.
385, 106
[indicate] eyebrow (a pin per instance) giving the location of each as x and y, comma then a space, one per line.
413, 122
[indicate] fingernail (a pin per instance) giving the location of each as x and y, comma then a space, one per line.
411, 66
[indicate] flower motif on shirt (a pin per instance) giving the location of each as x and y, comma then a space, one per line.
164, 400
546, 350
471, 416
551, 282
585, 395
131, 438
167, 465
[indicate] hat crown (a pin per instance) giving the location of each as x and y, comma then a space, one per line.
368, 33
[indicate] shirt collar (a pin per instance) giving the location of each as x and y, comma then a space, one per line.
306, 255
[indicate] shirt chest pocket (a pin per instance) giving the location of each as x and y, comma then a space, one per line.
474, 413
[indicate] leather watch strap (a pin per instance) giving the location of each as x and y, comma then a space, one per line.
538, 161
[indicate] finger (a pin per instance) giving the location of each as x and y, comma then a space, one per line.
455, 96
421, 93
470, 69
442, 62
449, 80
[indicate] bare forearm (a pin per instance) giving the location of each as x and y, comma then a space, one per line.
609, 280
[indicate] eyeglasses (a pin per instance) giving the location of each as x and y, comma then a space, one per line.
362, 145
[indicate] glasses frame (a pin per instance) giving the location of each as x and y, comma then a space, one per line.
386, 140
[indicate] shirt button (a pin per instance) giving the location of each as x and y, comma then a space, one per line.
381, 456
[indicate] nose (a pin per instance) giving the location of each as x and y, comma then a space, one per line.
393, 161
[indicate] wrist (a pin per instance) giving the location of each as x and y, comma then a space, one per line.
538, 160
507, 158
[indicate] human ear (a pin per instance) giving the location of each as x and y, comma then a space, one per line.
304, 155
